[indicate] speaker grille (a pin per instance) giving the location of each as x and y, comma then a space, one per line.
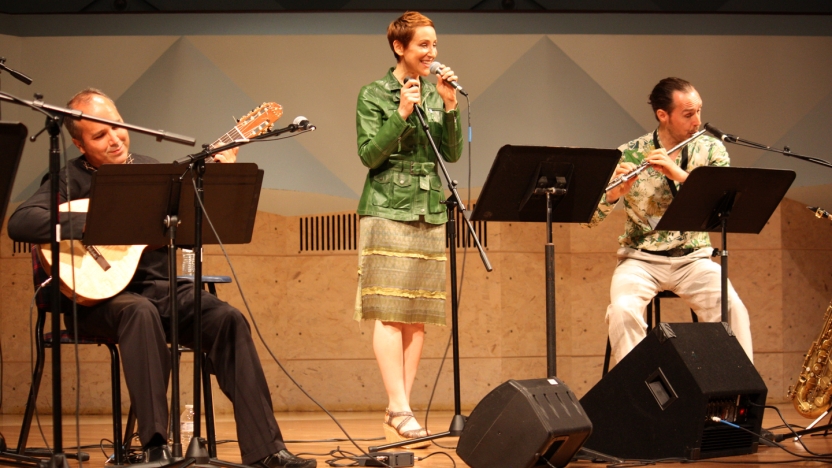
721, 440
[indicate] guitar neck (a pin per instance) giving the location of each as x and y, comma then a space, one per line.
232, 135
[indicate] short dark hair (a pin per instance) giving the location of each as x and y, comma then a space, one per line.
402, 28
662, 95
82, 96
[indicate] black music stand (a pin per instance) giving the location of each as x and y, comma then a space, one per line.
546, 184
711, 196
12, 140
138, 204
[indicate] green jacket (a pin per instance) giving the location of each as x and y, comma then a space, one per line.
402, 183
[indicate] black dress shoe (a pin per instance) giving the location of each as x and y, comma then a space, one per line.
159, 453
284, 459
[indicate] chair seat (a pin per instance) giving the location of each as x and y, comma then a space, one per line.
207, 279
69, 338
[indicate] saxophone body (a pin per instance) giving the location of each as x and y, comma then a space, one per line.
812, 393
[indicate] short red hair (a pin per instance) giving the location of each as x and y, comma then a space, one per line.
403, 27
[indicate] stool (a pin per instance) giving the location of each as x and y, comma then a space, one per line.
654, 310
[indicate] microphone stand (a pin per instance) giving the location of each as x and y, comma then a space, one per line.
452, 203
786, 151
197, 453
54, 119
20, 76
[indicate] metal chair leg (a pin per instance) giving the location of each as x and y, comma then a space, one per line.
37, 375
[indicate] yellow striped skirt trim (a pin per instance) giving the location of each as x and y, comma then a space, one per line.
391, 253
409, 293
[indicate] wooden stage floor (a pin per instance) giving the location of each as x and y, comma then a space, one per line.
317, 427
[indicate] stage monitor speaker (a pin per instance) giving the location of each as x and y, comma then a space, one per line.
523, 423
659, 400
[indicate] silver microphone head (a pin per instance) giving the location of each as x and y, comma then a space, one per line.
302, 123
434, 67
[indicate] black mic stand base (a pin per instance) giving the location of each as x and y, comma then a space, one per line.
12, 459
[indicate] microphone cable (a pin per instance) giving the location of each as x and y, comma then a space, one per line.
461, 280
260, 335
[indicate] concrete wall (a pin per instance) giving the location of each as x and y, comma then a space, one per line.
302, 303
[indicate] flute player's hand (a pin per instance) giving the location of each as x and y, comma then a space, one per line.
617, 192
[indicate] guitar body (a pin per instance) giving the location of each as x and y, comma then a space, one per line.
97, 273
78, 266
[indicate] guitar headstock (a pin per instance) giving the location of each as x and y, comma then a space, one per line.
260, 120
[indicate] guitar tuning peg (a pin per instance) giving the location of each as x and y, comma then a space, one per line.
236, 120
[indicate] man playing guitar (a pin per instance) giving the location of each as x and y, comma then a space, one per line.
139, 316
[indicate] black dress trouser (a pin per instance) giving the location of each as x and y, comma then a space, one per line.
139, 319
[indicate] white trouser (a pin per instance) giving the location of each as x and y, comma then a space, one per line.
695, 278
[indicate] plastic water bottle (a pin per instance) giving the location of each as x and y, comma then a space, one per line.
186, 426
188, 262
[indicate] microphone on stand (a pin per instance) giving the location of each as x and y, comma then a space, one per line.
302, 123
14, 73
727, 137
434, 68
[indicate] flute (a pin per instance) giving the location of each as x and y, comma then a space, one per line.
644, 164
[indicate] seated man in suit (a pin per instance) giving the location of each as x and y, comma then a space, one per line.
139, 317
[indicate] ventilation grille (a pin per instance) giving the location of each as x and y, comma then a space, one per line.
329, 233
724, 438
21, 248
463, 236
339, 232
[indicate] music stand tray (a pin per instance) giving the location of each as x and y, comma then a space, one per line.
546, 184
726, 199
12, 140
517, 169
128, 203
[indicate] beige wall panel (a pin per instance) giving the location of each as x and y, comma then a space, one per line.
804, 305
523, 368
315, 321
802, 230
523, 305
291, 203
600, 238
756, 276
586, 372
269, 237
590, 289
770, 367
480, 316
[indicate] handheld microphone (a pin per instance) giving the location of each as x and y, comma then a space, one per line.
434, 68
302, 123
720, 134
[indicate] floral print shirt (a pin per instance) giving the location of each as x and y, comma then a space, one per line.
650, 196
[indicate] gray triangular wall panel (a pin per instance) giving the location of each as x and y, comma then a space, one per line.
185, 93
545, 99
809, 137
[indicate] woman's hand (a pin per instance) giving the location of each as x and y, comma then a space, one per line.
445, 89
411, 95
